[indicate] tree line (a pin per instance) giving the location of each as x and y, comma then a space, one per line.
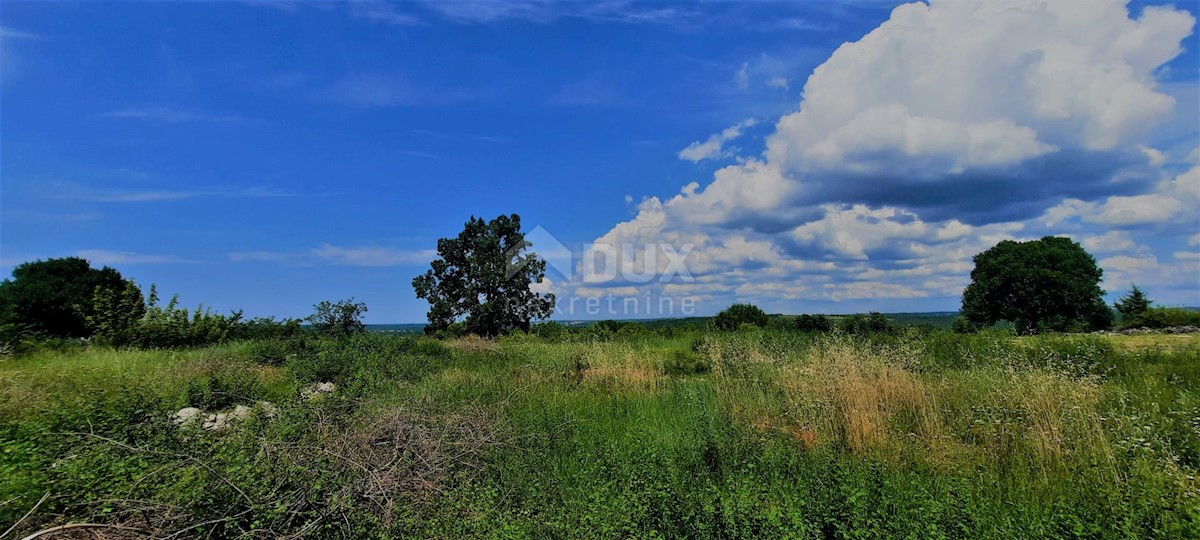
65, 298
481, 284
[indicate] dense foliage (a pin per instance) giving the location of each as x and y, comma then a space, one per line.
57, 297
342, 318
1133, 305
1051, 284
737, 315
482, 278
814, 323
871, 323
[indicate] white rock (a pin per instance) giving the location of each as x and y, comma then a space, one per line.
317, 389
241, 412
186, 415
216, 422
268, 409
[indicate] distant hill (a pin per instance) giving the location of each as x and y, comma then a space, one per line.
938, 319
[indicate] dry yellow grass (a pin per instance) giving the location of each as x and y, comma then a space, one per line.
620, 369
841, 394
870, 400
473, 344
1137, 342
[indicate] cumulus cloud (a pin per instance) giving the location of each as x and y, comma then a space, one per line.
714, 146
1109, 242
950, 127
1172, 201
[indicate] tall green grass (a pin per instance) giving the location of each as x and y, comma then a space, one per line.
753, 434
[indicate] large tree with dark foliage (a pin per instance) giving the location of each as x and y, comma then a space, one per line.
1051, 284
482, 277
57, 297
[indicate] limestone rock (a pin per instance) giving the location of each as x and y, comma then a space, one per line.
186, 415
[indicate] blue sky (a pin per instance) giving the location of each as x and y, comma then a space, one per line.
269, 155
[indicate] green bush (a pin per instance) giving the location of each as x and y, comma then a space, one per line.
323, 365
733, 317
173, 326
221, 391
277, 351
814, 323
1159, 317
963, 325
550, 330
871, 323
686, 362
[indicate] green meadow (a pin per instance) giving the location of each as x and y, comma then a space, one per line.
671, 434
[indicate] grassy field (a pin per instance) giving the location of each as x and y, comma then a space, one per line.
756, 434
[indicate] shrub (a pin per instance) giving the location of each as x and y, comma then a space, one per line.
172, 326
221, 391
814, 323
963, 325
264, 328
325, 364
341, 318
549, 330
686, 362
1157, 317
277, 351
738, 314
871, 323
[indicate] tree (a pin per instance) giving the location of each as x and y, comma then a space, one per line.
341, 318
483, 278
117, 313
1133, 305
814, 323
738, 314
56, 297
1040, 285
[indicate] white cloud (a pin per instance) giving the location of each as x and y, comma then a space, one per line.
372, 256
173, 116
391, 90
13, 33
1176, 199
742, 77
73, 191
714, 146
103, 256
1109, 242
851, 232
949, 79
383, 13
950, 127
328, 254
